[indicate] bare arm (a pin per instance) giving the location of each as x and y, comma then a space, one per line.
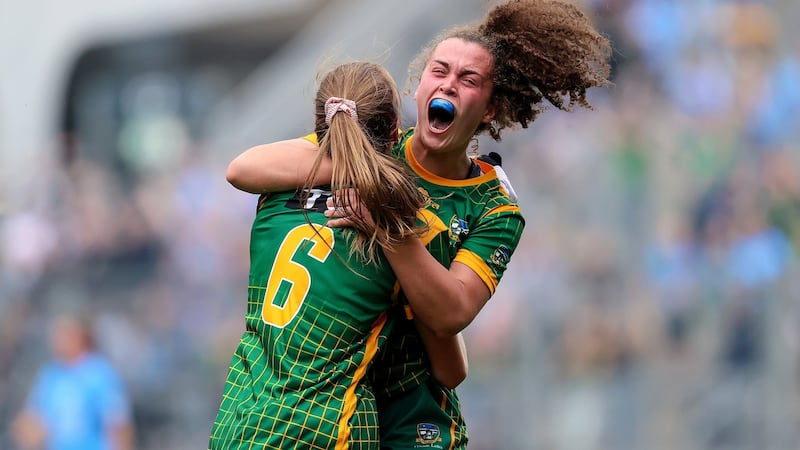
122, 436
446, 300
285, 164
448, 356
277, 166
28, 431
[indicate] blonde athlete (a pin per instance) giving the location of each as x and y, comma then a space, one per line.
318, 297
502, 72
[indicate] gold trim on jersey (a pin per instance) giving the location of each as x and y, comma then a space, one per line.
486, 168
434, 223
262, 199
408, 312
452, 422
503, 208
477, 264
350, 400
441, 181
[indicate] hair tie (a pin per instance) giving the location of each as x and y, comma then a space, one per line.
336, 104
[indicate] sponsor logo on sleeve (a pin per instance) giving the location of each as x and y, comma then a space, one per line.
500, 257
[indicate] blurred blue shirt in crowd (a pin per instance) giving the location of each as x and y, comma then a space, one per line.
79, 403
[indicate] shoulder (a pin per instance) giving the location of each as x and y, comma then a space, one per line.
310, 138
398, 150
491, 164
405, 134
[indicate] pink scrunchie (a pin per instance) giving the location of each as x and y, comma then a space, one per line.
336, 104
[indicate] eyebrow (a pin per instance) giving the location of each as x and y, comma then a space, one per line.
463, 72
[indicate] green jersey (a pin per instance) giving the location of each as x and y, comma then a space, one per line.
315, 319
472, 221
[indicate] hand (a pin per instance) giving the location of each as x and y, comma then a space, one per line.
345, 209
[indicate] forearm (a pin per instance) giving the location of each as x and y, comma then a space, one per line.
123, 437
448, 356
28, 431
444, 300
278, 166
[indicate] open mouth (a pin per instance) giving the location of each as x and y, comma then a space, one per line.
441, 114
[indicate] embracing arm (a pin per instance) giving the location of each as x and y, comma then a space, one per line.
277, 166
447, 355
446, 300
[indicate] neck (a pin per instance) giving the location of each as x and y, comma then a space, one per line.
453, 165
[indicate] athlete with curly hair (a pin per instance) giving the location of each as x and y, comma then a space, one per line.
318, 297
499, 73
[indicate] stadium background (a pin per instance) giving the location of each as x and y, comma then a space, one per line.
652, 304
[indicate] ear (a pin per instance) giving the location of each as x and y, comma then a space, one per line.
488, 116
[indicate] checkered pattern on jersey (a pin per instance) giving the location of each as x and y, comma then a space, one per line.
296, 384
274, 399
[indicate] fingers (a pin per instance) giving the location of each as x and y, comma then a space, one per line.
340, 223
337, 210
338, 215
346, 210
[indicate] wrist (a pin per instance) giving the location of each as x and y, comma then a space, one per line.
403, 246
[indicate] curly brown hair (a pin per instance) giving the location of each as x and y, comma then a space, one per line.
544, 51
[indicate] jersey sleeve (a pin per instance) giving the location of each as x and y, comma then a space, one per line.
489, 247
311, 137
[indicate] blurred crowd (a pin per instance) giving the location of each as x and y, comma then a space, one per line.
652, 303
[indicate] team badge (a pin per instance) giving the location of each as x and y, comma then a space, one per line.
501, 256
458, 229
428, 433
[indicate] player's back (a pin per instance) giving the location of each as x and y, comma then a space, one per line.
315, 319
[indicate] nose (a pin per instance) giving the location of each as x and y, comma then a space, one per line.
447, 86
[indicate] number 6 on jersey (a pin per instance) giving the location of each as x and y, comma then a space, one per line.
280, 304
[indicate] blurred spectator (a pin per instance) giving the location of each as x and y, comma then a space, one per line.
690, 164
782, 186
671, 262
77, 401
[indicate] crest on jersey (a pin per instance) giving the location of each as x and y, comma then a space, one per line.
428, 433
459, 229
501, 256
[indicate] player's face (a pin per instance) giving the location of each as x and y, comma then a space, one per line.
460, 73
